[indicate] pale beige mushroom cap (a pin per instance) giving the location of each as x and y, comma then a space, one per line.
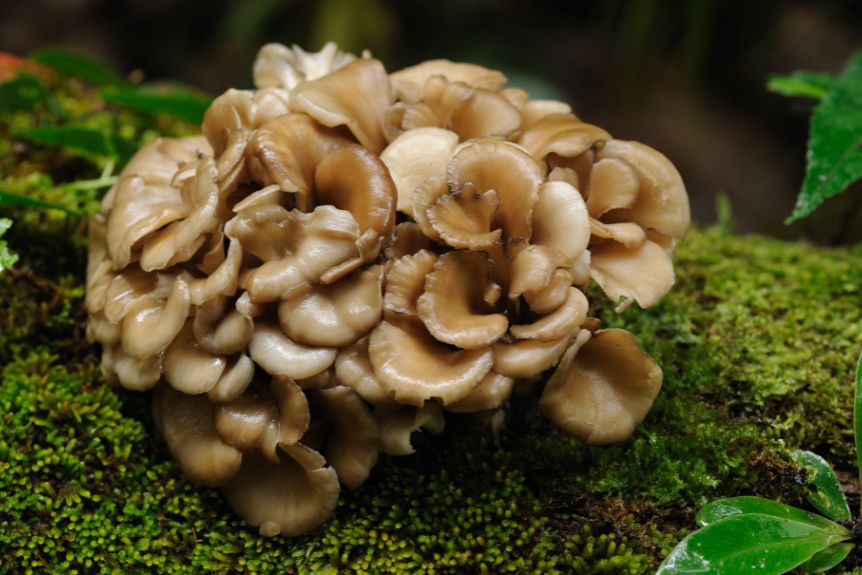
354, 443
277, 66
288, 498
491, 393
409, 83
398, 424
603, 389
237, 110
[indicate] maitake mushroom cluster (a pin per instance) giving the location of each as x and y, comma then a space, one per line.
346, 253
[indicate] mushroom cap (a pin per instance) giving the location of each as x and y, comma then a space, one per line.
151, 324
549, 298
290, 497
561, 134
355, 95
535, 110
613, 185
491, 392
272, 350
415, 156
277, 66
464, 220
409, 83
238, 374
602, 391
398, 423
187, 422
413, 367
220, 331
558, 323
335, 315
643, 273
522, 359
354, 444
453, 306
240, 110
244, 422
353, 369
507, 169
561, 222
407, 239
484, 113
405, 282
137, 374
189, 368
662, 203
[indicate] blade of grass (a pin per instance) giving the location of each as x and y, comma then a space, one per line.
10, 199
79, 65
857, 419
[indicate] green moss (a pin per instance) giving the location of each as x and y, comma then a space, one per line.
756, 342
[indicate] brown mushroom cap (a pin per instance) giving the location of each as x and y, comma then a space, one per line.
240, 110
491, 392
409, 83
354, 444
277, 66
355, 95
415, 156
613, 185
453, 306
483, 165
272, 350
484, 113
187, 424
237, 375
662, 202
287, 498
397, 425
558, 323
413, 366
189, 368
464, 220
602, 391
549, 298
561, 222
137, 374
561, 134
643, 274
219, 330
151, 324
535, 110
335, 315
353, 369
528, 358
405, 282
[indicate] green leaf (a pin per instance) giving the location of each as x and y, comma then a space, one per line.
21, 93
803, 84
827, 559
180, 103
79, 65
722, 508
835, 142
857, 418
7, 258
748, 544
89, 140
827, 496
10, 199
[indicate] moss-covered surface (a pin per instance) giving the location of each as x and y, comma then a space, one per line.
756, 341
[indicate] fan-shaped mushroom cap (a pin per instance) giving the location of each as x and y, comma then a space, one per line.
298, 249
240, 110
354, 444
491, 392
484, 113
277, 66
414, 367
483, 165
190, 369
271, 349
287, 498
406, 240
561, 134
548, 299
353, 179
603, 390
150, 324
627, 233
335, 315
415, 156
528, 358
237, 375
187, 424
532, 270
353, 369
644, 273
405, 282
535, 110
409, 83
464, 220
613, 185
397, 424
453, 306
221, 281
561, 222
219, 331
355, 95
556, 324
662, 203
144, 199
137, 374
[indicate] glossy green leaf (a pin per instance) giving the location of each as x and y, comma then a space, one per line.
834, 143
7, 258
857, 418
91, 141
178, 103
803, 84
10, 199
717, 510
827, 496
748, 544
827, 559
79, 65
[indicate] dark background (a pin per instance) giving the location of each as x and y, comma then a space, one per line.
685, 76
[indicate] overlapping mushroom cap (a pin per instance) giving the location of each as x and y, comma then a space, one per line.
255, 276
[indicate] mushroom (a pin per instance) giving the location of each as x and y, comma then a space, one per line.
353, 369
491, 393
240, 110
272, 350
405, 282
409, 83
603, 387
354, 443
277, 66
397, 425
561, 134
